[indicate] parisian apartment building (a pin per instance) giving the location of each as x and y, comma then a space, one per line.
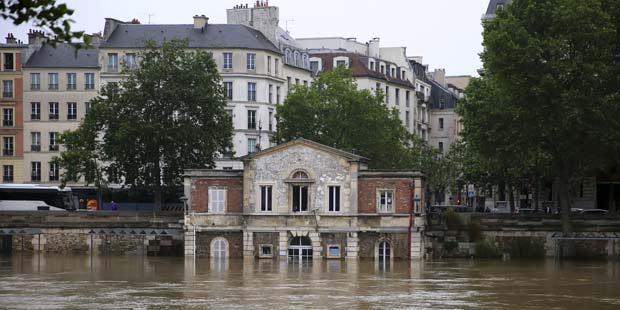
260, 63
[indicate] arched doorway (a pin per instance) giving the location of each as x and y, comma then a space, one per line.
300, 249
219, 248
384, 251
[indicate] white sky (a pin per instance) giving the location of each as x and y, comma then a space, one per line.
447, 33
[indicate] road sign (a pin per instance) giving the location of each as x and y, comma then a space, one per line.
471, 194
471, 190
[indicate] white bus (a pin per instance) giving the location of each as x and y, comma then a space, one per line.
54, 196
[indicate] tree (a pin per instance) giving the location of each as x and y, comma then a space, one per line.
332, 111
45, 14
167, 116
549, 98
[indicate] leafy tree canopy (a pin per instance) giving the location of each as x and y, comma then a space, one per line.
168, 115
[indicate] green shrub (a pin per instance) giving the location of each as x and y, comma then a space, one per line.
527, 248
453, 220
474, 230
486, 248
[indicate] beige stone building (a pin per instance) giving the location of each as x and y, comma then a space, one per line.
60, 82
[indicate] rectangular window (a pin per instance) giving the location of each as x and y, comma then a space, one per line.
407, 98
266, 251
71, 110
228, 64
251, 145
53, 141
7, 173
35, 81
440, 146
252, 92
251, 61
86, 107
53, 111
402, 75
300, 198
54, 172
296, 81
217, 200
314, 66
251, 119
8, 145
277, 94
112, 62
270, 120
268, 64
277, 66
407, 119
228, 90
377, 88
7, 89
393, 72
385, 201
340, 63
288, 83
382, 69
270, 93
397, 96
35, 144
52, 81
132, 64
305, 83
372, 66
333, 251
387, 94
35, 171
334, 198
7, 117
89, 81
265, 198
440, 123
71, 81
8, 62
35, 111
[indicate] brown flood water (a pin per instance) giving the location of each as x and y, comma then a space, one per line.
82, 282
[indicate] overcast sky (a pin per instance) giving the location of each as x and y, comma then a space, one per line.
447, 33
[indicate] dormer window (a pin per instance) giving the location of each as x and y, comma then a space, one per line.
300, 175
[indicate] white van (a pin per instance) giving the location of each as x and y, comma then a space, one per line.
26, 205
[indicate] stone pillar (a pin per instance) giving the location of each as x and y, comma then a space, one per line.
417, 245
352, 245
316, 245
248, 244
190, 242
283, 244
38, 242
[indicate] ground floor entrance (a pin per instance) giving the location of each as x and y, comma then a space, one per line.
300, 250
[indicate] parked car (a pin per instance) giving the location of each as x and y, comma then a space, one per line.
594, 211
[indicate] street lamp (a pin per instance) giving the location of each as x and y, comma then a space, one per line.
416, 204
184, 201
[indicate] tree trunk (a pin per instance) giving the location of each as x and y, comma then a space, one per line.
563, 189
501, 188
537, 191
157, 187
511, 196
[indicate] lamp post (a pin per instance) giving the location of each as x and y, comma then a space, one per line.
184, 201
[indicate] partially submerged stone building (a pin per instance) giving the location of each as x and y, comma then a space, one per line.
304, 200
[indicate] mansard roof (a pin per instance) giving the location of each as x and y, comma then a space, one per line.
63, 56
309, 143
213, 36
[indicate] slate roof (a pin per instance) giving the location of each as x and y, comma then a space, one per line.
63, 56
439, 94
493, 5
213, 36
359, 67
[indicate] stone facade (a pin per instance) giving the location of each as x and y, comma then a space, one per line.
302, 199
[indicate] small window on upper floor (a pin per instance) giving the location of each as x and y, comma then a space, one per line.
341, 63
300, 175
314, 66
8, 62
371, 66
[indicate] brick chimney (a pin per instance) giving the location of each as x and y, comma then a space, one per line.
262, 17
440, 76
200, 22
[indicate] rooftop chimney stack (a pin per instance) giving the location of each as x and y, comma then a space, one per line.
10, 39
200, 22
440, 76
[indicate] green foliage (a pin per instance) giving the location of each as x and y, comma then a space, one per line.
547, 104
43, 14
474, 231
167, 116
487, 248
453, 220
527, 248
332, 111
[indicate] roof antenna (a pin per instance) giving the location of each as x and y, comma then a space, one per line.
150, 17
286, 23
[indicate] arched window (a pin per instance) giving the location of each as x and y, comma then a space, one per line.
219, 248
300, 175
296, 58
287, 55
300, 249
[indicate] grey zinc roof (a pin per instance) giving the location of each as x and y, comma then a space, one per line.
213, 36
63, 56
491, 9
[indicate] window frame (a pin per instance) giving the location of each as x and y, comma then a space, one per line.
252, 123
337, 198
221, 203
227, 61
8, 89
35, 107
52, 77
8, 173
35, 170
252, 91
251, 61
57, 110
112, 62
8, 119
253, 148
379, 206
328, 251
228, 89
33, 85
265, 246
71, 76
89, 77
264, 205
8, 146
72, 107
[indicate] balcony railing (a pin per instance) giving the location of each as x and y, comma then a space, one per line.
7, 178
7, 123
8, 152
53, 86
35, 117
35, 86
35, 177
35, 148
71, 86
89, 86
71, 116
53, 116
53, 147
6, 94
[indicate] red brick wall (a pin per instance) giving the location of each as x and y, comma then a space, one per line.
367, 194
234, 194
